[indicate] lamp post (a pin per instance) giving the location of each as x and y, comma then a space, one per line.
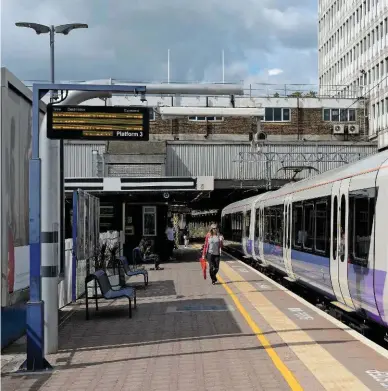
35, 357
52, 30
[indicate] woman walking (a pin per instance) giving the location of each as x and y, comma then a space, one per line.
212, 252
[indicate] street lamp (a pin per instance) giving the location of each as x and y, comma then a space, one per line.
52, 30
61, 29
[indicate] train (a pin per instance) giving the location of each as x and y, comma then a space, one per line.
328, 233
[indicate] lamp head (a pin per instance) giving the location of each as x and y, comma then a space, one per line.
66, 28
39, 28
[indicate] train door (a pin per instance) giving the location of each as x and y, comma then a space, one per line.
334, 242
287, 236
338, 242
246, 228
255, 232
261, 240
343, 242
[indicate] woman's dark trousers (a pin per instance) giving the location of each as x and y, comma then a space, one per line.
214, 265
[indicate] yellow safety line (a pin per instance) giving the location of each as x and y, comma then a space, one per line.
331, 373
279, 364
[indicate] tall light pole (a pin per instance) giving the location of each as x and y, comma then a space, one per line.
51, 302
52, 30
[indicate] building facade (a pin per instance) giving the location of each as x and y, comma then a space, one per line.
312, 126
353, 57
284, 119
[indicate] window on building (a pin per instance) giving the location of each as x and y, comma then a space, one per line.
343, 115
277, 115
361, 216
149, 220
336, 115
204, 119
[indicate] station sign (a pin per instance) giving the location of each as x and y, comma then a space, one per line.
129, 123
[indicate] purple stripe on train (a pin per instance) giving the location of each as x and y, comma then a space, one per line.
366, 288
249, 246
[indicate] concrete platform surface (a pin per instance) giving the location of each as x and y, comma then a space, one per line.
245, 333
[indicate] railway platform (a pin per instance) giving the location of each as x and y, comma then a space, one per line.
244, 333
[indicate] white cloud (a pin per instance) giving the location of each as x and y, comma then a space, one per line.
129, 40
275, 72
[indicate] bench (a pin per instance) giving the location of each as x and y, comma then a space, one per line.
123, 262
101, 278
138, 256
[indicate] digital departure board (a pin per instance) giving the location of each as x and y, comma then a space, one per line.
97, 123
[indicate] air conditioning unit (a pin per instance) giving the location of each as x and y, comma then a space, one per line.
354, 129
338, 129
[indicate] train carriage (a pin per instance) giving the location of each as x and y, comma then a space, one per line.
328, 232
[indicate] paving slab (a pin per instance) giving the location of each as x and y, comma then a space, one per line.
185, 334
245, 333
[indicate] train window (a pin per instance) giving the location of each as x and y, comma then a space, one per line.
361, 217
320, 226
262, 225
227, 227
342, 229
267, 225
272, 212
278, 234
257, 225
297, 220
335, 223
308, 226
247, 220
239, 227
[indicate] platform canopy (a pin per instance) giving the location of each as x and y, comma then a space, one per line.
140, 184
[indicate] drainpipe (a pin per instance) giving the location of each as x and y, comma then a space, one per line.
207, 123
297, 123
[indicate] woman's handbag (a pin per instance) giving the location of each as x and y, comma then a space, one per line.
203, 265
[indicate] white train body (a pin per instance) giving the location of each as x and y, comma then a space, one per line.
329, 232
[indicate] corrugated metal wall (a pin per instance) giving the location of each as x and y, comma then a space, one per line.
230, 161
79, 159
224, 161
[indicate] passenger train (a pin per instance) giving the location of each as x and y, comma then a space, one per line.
329, 233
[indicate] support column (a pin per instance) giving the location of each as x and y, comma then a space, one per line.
35, 307
49, 152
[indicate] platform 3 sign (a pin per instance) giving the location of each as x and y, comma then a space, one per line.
128, 123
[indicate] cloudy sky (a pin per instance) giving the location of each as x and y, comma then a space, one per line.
270, 41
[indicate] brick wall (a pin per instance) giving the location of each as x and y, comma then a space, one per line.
303, 122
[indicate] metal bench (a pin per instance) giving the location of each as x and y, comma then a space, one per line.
138, 256
123, 262
101, 278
